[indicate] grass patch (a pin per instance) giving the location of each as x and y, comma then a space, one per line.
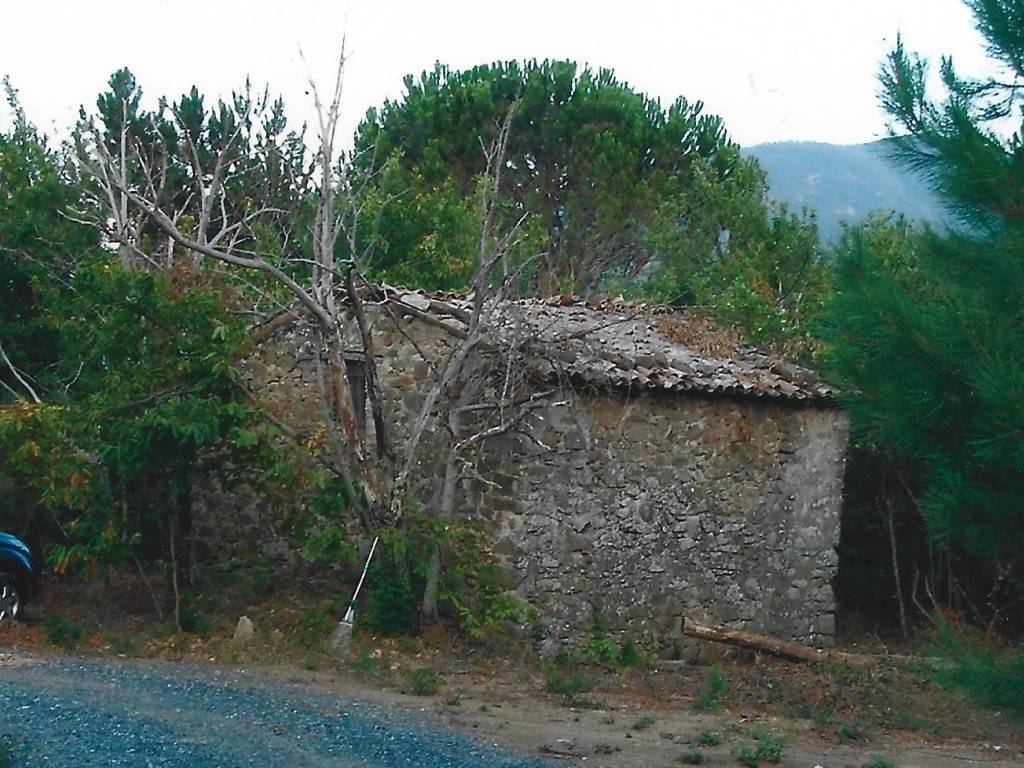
707, 739
693, 757
63, 632
643, 723
878, 761
124, 645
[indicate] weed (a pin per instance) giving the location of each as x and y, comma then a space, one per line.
693, 757
992, 676
629, 654
715, 684
878, 761
63, 632
424, 681
318, 623
643, 723
764, 748
310, 664
124, 645
707, 739
191, 621
570, 684
363, 662
851, 731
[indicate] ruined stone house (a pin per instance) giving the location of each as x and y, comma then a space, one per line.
675, 471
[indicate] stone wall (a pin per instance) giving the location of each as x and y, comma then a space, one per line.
642, 506
653, 507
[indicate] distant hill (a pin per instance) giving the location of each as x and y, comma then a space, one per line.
844, 183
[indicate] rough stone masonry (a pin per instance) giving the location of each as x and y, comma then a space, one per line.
684, 475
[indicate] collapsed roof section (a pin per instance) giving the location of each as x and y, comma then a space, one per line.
624, 345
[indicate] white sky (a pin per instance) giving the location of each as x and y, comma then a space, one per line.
773, 69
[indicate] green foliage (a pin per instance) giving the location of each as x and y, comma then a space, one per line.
63, 632
141, 403
470, 593
570, 683
124, 645
747, 262
318, 623
715, 684
708, 739
644, 722
693, 757
765, 748
588, 159
850, 731
991, 675
622, 195
599, 648
925, 328
191, 621
878, 761
424, 681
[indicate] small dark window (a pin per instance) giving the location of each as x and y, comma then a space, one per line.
355, 369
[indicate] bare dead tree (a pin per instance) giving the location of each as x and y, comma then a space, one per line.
478, 388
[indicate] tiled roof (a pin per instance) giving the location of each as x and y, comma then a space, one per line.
640, 346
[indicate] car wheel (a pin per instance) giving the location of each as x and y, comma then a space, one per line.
10, 597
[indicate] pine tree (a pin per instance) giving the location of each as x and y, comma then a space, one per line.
929, 343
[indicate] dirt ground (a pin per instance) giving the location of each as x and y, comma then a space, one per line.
655, 714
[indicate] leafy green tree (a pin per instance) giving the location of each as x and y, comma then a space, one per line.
134, 392
38, 245
721, 246
927, 340
589, 159
622, 195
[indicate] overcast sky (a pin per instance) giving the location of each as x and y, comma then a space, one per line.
775, 70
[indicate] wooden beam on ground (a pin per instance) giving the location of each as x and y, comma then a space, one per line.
775, 646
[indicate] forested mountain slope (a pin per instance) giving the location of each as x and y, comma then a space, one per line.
844, 183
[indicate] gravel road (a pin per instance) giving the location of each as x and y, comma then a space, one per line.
78, 713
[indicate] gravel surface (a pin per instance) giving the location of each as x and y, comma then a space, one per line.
75, 712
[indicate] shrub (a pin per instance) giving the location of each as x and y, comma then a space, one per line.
643, 723
715, 684
764, 748
470, 592
992, 676
708, 739
570, 684
693, 757
878, 761
852, 731
63, 632
190, 621
424, 681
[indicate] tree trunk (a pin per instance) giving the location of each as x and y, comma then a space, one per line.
773, 645
445, 508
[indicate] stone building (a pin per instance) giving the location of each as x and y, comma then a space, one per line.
671, 471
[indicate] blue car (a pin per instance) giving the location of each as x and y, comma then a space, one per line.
19, 576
